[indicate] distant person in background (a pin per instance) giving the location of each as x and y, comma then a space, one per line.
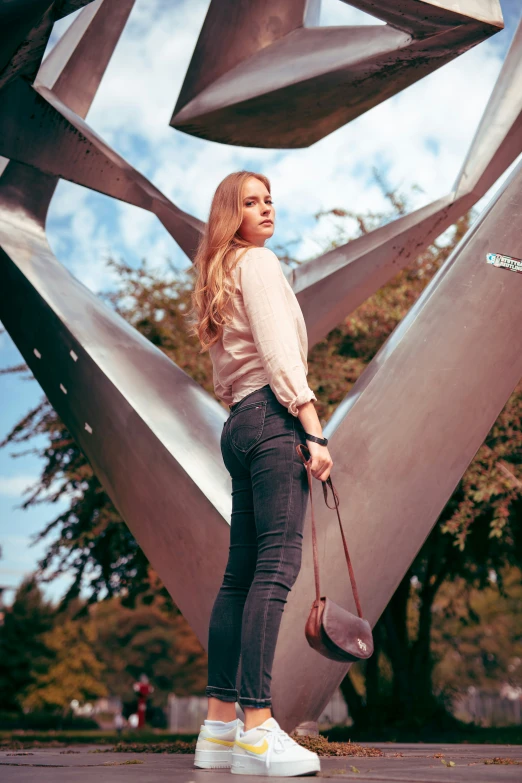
144, 689
118, 723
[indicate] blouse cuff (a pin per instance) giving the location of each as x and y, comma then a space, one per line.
304, 396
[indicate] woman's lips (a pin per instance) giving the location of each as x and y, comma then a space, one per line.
265, 222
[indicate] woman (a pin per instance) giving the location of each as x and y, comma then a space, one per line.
250, 321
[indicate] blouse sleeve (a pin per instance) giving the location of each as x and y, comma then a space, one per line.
273, 327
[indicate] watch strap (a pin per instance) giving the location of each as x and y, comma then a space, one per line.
316, 439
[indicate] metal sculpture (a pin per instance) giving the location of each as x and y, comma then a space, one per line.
42, 124
25, 27
152, 434
263, 74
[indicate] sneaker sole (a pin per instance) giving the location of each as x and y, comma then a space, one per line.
213, 759
247, 765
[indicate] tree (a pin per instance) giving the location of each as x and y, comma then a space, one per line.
477, 634
148, 640
74, 672
23, 649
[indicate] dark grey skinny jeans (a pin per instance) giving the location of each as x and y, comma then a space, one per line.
269, 501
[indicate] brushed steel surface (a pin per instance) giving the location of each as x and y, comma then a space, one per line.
25, 27
402, 437
76, 85
261, 75
58, 141
498, 139
150, 432
430, 16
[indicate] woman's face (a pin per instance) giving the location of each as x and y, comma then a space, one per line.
257, 210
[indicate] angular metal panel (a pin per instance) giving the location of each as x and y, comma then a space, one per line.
423, 17
25, 27
16, 22
257, 59
498, 140
403, 437
149, 431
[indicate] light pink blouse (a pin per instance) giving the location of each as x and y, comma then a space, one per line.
266, 341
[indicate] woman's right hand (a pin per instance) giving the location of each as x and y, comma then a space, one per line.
321, 460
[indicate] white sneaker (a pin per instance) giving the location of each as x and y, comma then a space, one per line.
268, 750
214, 745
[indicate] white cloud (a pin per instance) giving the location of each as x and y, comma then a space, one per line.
68, 199
14, 486
334, 12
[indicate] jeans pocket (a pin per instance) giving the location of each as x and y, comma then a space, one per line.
246, 425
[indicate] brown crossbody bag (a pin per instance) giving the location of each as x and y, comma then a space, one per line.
333, 631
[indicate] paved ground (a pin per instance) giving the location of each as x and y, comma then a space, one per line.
401, 763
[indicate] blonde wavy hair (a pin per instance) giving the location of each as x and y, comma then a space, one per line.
212, 305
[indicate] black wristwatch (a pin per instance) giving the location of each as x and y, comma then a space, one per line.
322, 441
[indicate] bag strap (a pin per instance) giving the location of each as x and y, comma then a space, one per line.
328, 482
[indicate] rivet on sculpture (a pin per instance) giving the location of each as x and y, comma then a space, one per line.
422, 407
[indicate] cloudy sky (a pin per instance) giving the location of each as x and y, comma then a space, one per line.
418, 137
